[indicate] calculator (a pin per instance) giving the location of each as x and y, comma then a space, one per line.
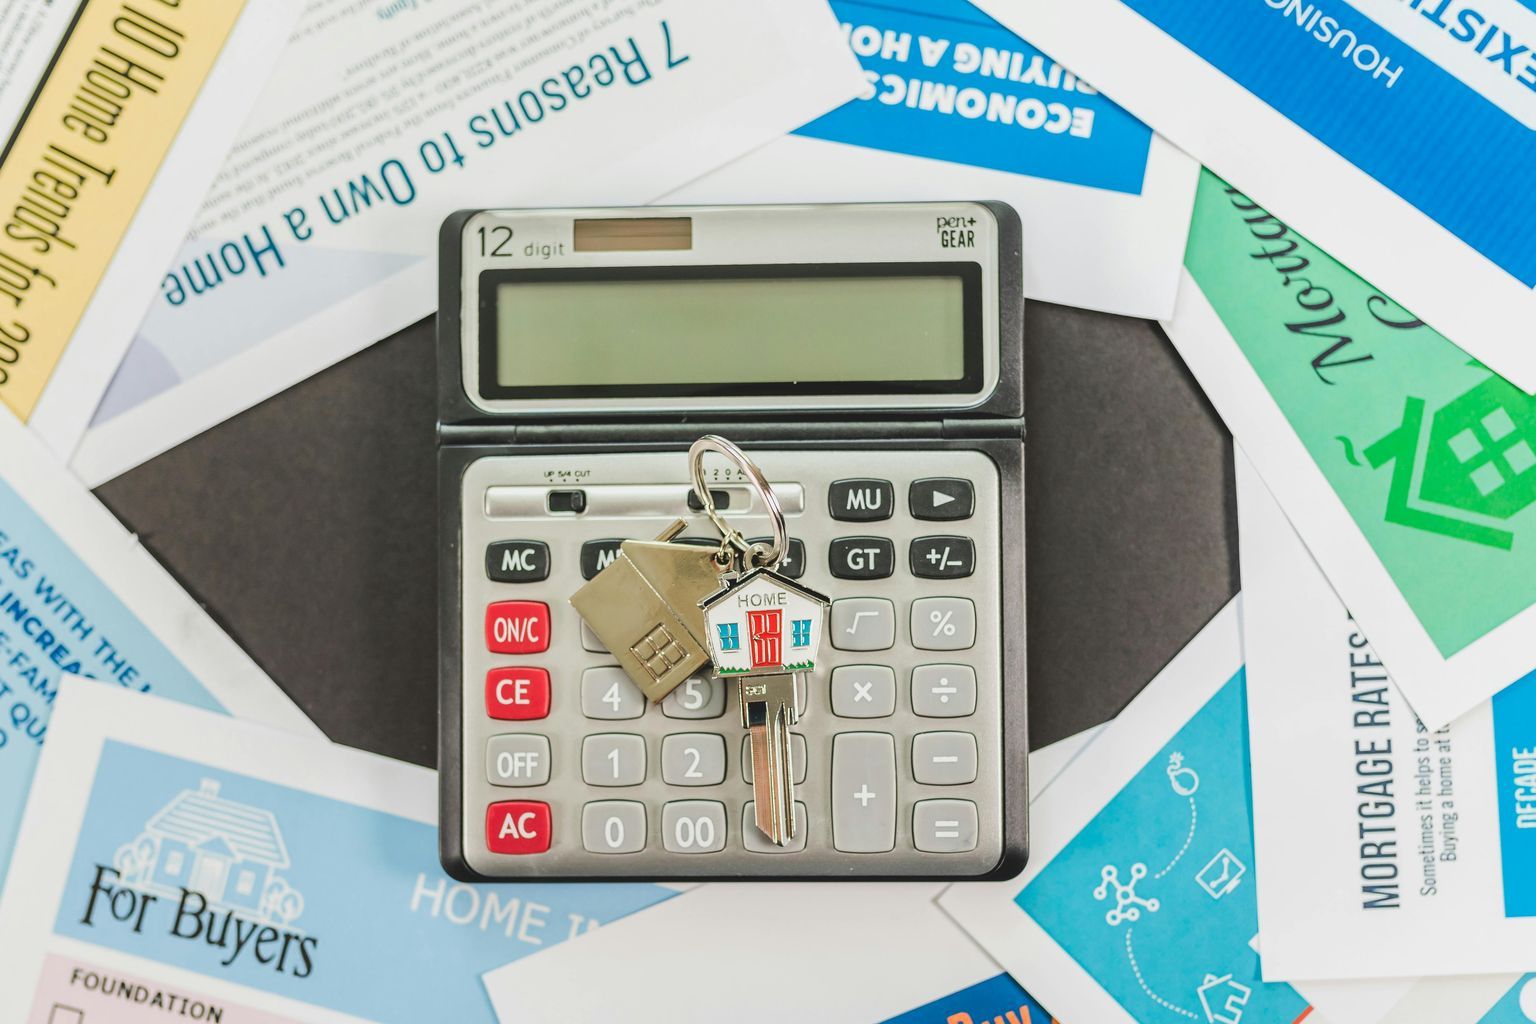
869, 359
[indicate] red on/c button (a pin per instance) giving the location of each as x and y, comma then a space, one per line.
517, 694
517, 627
517, 826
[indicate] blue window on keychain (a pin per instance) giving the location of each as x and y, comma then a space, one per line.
730, 636
800, 633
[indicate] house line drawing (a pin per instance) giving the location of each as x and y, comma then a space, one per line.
232, 854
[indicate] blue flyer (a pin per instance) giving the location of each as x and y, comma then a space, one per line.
78, 595
955, 105
294, 880
1138, 903
1397, 135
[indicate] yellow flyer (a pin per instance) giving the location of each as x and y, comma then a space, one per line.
116, 115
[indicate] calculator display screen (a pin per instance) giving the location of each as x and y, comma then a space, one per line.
790, 329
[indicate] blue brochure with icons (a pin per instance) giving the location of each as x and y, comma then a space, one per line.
1138, 903
207, 862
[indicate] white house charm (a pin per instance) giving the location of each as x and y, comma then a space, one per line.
763, 623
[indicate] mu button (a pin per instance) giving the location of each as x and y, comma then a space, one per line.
861, 500
517, 827
517, 627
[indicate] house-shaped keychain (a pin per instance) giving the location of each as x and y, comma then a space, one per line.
763, 623
644, 608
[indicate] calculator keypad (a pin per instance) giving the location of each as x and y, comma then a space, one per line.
898, 751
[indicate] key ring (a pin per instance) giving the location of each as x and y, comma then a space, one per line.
756, 554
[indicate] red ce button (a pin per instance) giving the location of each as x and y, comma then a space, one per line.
517, 826
517, 694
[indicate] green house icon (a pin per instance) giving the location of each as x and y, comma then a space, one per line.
1477, 464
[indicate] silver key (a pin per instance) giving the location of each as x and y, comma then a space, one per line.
767, 712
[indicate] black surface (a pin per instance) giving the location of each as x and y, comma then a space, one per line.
307, 527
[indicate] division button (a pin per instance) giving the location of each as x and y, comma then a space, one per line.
793, 563
943, 623
693, 826
861, 500
596, 555
944, 826
517, 694
863, 691
517, 561
944, 758
943, 691
941, 497
942, 558
864, 792
517, 627
517, 759
613, 826
861, 558
517, 827
863, 624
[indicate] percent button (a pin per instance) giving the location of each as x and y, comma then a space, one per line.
943, 624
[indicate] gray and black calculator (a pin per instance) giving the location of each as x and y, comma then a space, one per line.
869, 359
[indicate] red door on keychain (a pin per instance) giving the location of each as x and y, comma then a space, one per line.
767, 631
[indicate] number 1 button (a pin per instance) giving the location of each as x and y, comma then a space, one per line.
517, 627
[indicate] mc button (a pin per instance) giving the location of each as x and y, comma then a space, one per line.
517, 561
517, 627
861, 501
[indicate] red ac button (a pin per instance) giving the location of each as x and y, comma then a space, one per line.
517, 827
517, 694
517, 627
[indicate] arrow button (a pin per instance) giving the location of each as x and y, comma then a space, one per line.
941, 498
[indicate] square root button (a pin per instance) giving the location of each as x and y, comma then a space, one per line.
863, 624
944, 826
